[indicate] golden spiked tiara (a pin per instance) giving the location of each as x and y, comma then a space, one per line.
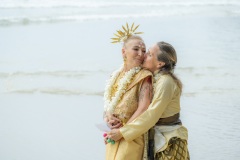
124, 34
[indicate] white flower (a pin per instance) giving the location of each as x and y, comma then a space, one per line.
111, 103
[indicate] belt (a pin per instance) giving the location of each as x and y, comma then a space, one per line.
172, 120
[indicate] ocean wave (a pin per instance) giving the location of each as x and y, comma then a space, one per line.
211, 91
54, 91
68, 74
84, 73
6, 21
49, 19
79, 4
85, 11
63, 91
192, 68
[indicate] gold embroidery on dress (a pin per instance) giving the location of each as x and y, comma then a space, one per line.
128, 104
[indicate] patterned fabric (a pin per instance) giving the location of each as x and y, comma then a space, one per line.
145, 151
176, 150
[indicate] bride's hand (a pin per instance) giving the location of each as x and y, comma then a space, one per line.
112, 121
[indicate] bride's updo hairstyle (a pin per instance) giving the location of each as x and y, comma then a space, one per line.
132, 37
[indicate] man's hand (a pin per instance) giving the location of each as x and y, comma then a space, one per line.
114, 134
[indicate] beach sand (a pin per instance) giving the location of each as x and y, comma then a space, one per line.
52, 78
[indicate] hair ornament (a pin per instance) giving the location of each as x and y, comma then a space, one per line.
124, 34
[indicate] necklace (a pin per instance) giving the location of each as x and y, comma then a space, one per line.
111, 102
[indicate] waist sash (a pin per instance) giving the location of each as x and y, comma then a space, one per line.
173, 120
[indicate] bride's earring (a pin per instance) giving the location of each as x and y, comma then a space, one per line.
124, 59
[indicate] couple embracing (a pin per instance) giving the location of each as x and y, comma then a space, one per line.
142, 103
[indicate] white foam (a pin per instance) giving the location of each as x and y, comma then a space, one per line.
51, 11
102, 4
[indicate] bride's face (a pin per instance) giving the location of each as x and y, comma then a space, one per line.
134, 51
150, 61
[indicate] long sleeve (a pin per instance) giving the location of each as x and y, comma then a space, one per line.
163, 96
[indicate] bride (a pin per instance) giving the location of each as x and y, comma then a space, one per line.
128, 94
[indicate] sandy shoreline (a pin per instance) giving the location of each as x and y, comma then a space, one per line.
53, 127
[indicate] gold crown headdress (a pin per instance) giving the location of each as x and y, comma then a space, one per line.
127, 32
